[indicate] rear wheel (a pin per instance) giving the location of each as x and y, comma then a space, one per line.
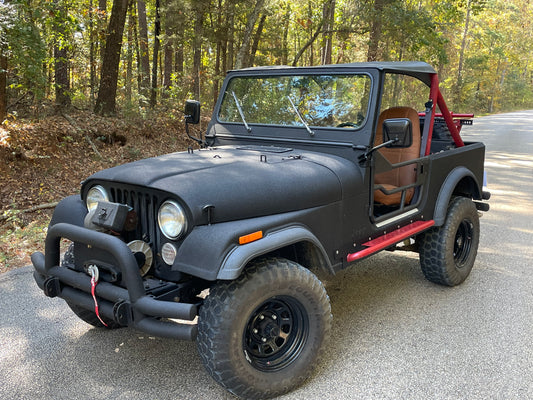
448, 252
261, 335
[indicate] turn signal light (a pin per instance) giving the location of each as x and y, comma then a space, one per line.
252, 237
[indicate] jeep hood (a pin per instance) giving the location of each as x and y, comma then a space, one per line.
238, 182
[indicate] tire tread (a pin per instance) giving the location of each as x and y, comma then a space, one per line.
212, 337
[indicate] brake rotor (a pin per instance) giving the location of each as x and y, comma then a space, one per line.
138, 246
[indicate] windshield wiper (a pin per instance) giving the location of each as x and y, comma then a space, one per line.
301, 117
240, 112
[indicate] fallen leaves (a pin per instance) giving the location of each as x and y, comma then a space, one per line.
43, 161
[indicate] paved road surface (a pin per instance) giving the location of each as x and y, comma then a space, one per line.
395, 335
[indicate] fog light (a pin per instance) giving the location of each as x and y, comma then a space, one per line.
168, 253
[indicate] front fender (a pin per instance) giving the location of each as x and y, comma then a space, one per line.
240, 256
212, 251
71, 210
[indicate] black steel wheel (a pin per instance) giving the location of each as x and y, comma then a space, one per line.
462, 245
276, 333
261, 335
448, 252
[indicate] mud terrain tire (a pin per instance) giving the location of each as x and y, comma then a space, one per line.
260, 336
448, 252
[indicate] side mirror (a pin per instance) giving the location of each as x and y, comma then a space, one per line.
192, 116
398, 132
192, 112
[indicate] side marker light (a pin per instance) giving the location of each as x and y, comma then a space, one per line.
252, 237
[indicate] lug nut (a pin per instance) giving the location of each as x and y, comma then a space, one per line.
264, 339
255, 331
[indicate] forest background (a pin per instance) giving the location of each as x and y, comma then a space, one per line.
87, 84
128, 55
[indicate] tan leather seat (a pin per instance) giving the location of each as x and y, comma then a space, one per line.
402, 176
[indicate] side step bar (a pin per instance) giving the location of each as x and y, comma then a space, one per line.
388, 239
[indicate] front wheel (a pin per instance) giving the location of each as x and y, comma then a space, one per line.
261, 335
448, 252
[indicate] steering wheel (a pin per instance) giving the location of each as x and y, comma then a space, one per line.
345, 124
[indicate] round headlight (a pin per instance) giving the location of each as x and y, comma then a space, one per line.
171, 219
96, 193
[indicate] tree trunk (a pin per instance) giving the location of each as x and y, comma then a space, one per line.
106, 101
61, 76
255, 43
197, 57
245, 47
3, 86
92, 53
136, 41
101, 26
459, 81
61, 64
144, 61
224, 52
199, 9
375, 31
311, 35
309, 43
216, 78
167, 66
157, 44
179, 59
220, 38
327, 35
284, 38
231, 39
129, 54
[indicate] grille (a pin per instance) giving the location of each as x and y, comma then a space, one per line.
145, 206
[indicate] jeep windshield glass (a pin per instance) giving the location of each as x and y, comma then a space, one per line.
323, 101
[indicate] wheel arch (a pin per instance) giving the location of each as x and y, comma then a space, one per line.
459, 182
295, 243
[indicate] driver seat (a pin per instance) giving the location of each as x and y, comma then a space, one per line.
401, 176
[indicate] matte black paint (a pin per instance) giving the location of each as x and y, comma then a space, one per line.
301, 191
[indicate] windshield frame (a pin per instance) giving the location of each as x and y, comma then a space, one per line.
236, 131
228, 95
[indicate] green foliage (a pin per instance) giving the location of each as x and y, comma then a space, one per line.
21, 42
496, 74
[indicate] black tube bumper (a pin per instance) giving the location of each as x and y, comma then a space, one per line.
128, 307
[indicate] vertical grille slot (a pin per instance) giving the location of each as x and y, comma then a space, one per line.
145, 206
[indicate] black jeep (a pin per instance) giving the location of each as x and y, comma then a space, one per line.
301, 170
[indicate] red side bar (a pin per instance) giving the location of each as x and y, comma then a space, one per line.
436, 97
433, 96
449, 121
388, 239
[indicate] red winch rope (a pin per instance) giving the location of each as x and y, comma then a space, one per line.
93, 270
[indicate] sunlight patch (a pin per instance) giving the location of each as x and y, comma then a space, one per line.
4, 137
496, 164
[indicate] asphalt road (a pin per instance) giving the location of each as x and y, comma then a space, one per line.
395, 335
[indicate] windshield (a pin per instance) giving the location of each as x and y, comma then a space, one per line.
323, 101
